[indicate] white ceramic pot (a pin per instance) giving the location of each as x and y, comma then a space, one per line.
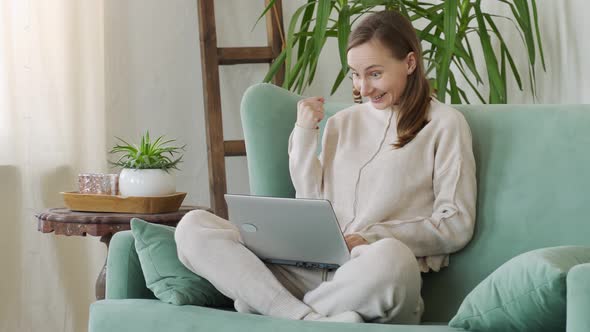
146, 182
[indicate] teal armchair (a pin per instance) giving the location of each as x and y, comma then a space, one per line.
533, 172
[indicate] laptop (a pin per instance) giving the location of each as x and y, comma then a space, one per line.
289, 231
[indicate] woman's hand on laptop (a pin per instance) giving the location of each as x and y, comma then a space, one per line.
353, 240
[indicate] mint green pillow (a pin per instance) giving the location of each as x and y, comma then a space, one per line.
527, 293
164, 274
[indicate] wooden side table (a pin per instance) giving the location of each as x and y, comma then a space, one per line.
62, 221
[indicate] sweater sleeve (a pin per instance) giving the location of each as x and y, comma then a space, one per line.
305, 166
451, 225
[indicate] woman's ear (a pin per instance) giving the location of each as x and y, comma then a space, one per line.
411, 62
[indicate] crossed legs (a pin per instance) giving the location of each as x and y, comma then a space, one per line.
381, 282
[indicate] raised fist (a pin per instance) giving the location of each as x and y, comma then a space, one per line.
310, 111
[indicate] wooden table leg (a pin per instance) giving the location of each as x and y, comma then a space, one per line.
101, 280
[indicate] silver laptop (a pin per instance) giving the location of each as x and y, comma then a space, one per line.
300, 232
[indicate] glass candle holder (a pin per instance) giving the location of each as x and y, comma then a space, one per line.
98, 183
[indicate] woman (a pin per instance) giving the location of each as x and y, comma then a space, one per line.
400, 173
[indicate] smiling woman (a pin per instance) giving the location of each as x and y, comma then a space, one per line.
386, 182
386, 53
403, 201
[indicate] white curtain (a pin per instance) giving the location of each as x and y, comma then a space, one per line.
51, 128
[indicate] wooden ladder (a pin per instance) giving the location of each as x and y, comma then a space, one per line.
211, 58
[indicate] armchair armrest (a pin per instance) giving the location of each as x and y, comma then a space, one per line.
124, 278
578, 298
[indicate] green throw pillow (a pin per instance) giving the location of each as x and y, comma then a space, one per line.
527, 293
164, 274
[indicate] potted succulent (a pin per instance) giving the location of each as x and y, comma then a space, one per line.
147, 167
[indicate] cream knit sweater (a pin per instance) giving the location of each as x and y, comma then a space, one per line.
423, 194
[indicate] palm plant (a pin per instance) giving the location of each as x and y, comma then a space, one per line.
445, 39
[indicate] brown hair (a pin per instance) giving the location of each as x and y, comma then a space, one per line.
397, 34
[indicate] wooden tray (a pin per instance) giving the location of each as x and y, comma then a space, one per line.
131, 204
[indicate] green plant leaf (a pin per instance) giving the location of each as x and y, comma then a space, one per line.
468, 80
538, 34
449, 30
266, 9
463, 95
525, 21
505, 51
494, 78
503, 68
275, 66
521, 14
299, 66
319, 32
291, 40
304, 26
339, 79
373, 2
469, 60
314, 58
454, 90
343, 33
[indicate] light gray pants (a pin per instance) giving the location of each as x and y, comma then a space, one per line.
381, 282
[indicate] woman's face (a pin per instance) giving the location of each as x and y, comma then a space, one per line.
377, 74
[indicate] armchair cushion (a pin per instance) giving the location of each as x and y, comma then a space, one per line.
527, 293
578, 298
165, 275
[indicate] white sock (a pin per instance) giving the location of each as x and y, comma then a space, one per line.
242, 307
